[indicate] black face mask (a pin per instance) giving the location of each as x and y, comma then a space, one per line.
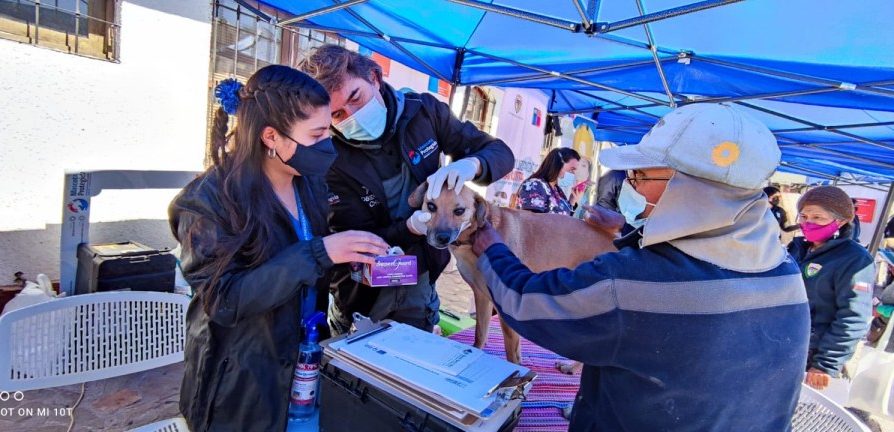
312, 160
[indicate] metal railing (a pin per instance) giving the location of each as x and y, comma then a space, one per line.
44, 23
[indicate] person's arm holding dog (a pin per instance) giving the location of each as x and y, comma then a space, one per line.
525, 299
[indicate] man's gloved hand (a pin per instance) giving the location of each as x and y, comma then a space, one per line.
454, 174
417, 222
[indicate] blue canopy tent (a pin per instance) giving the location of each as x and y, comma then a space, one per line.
788, 62
819, 73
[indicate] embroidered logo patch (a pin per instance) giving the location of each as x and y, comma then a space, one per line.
415, 158
812, 269
368, 197
429, 148
333, 199
423, 151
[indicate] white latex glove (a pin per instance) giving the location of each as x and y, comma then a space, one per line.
454, 174
417, 222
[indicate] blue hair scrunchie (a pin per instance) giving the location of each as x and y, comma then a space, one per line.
227, 94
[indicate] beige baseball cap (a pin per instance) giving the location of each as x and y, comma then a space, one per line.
714, 141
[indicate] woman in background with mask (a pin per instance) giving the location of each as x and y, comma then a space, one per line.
256, 248
540, 193
839, 275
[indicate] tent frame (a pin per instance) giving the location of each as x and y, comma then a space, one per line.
591, 27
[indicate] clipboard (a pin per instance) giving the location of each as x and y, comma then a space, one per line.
474, 395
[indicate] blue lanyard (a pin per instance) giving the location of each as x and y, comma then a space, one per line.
302, 228
301, 224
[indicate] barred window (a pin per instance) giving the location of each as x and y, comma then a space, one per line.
85, 27
480, 109
244, 42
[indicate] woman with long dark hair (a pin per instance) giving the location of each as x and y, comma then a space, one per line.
255, 248
540, 192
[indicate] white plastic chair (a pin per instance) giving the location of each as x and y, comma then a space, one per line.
91, 337
817, 413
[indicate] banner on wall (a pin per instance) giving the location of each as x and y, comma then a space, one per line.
520, 126
865, 209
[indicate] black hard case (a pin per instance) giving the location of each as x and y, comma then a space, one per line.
124, 266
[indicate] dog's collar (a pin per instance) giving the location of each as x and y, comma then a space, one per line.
469, 239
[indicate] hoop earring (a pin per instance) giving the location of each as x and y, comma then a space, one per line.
271, 152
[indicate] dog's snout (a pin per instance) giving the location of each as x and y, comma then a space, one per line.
442, 237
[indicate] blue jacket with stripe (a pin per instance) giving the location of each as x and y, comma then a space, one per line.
668, 342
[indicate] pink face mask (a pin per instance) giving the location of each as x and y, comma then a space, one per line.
815, 233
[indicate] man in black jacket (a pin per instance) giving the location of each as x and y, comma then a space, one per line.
389, 143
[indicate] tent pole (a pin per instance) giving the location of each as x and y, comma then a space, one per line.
254, 10
593, 9
879, 233
805, 122
667, 13
862, 87
520, 14
585, 20
570, 78
534, 77
844, 155
322, 11
466, 93
772, 95
845, 126
626, 107
827, 176
398, 46
672, 101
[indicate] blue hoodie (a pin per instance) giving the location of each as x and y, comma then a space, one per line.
668, 342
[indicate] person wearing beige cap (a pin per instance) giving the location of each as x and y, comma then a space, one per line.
700, 320
839, 276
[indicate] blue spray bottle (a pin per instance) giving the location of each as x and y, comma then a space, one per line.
306, 380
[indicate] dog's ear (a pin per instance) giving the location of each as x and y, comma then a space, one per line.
481, 208
418, 196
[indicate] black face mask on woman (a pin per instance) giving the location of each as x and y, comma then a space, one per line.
312, 160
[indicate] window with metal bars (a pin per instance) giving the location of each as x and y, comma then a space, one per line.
244, 42
480, 109
84, 27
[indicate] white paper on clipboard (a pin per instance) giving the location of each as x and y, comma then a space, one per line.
466, 390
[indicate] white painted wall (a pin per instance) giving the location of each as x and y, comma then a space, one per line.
65, 112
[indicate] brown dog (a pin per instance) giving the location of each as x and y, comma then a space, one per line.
542, 242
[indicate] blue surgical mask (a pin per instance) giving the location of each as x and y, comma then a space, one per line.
367, 123
632, 204
566, 182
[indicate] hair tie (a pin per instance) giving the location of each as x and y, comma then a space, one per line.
227, 94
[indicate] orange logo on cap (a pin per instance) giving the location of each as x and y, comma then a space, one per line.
725, 154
